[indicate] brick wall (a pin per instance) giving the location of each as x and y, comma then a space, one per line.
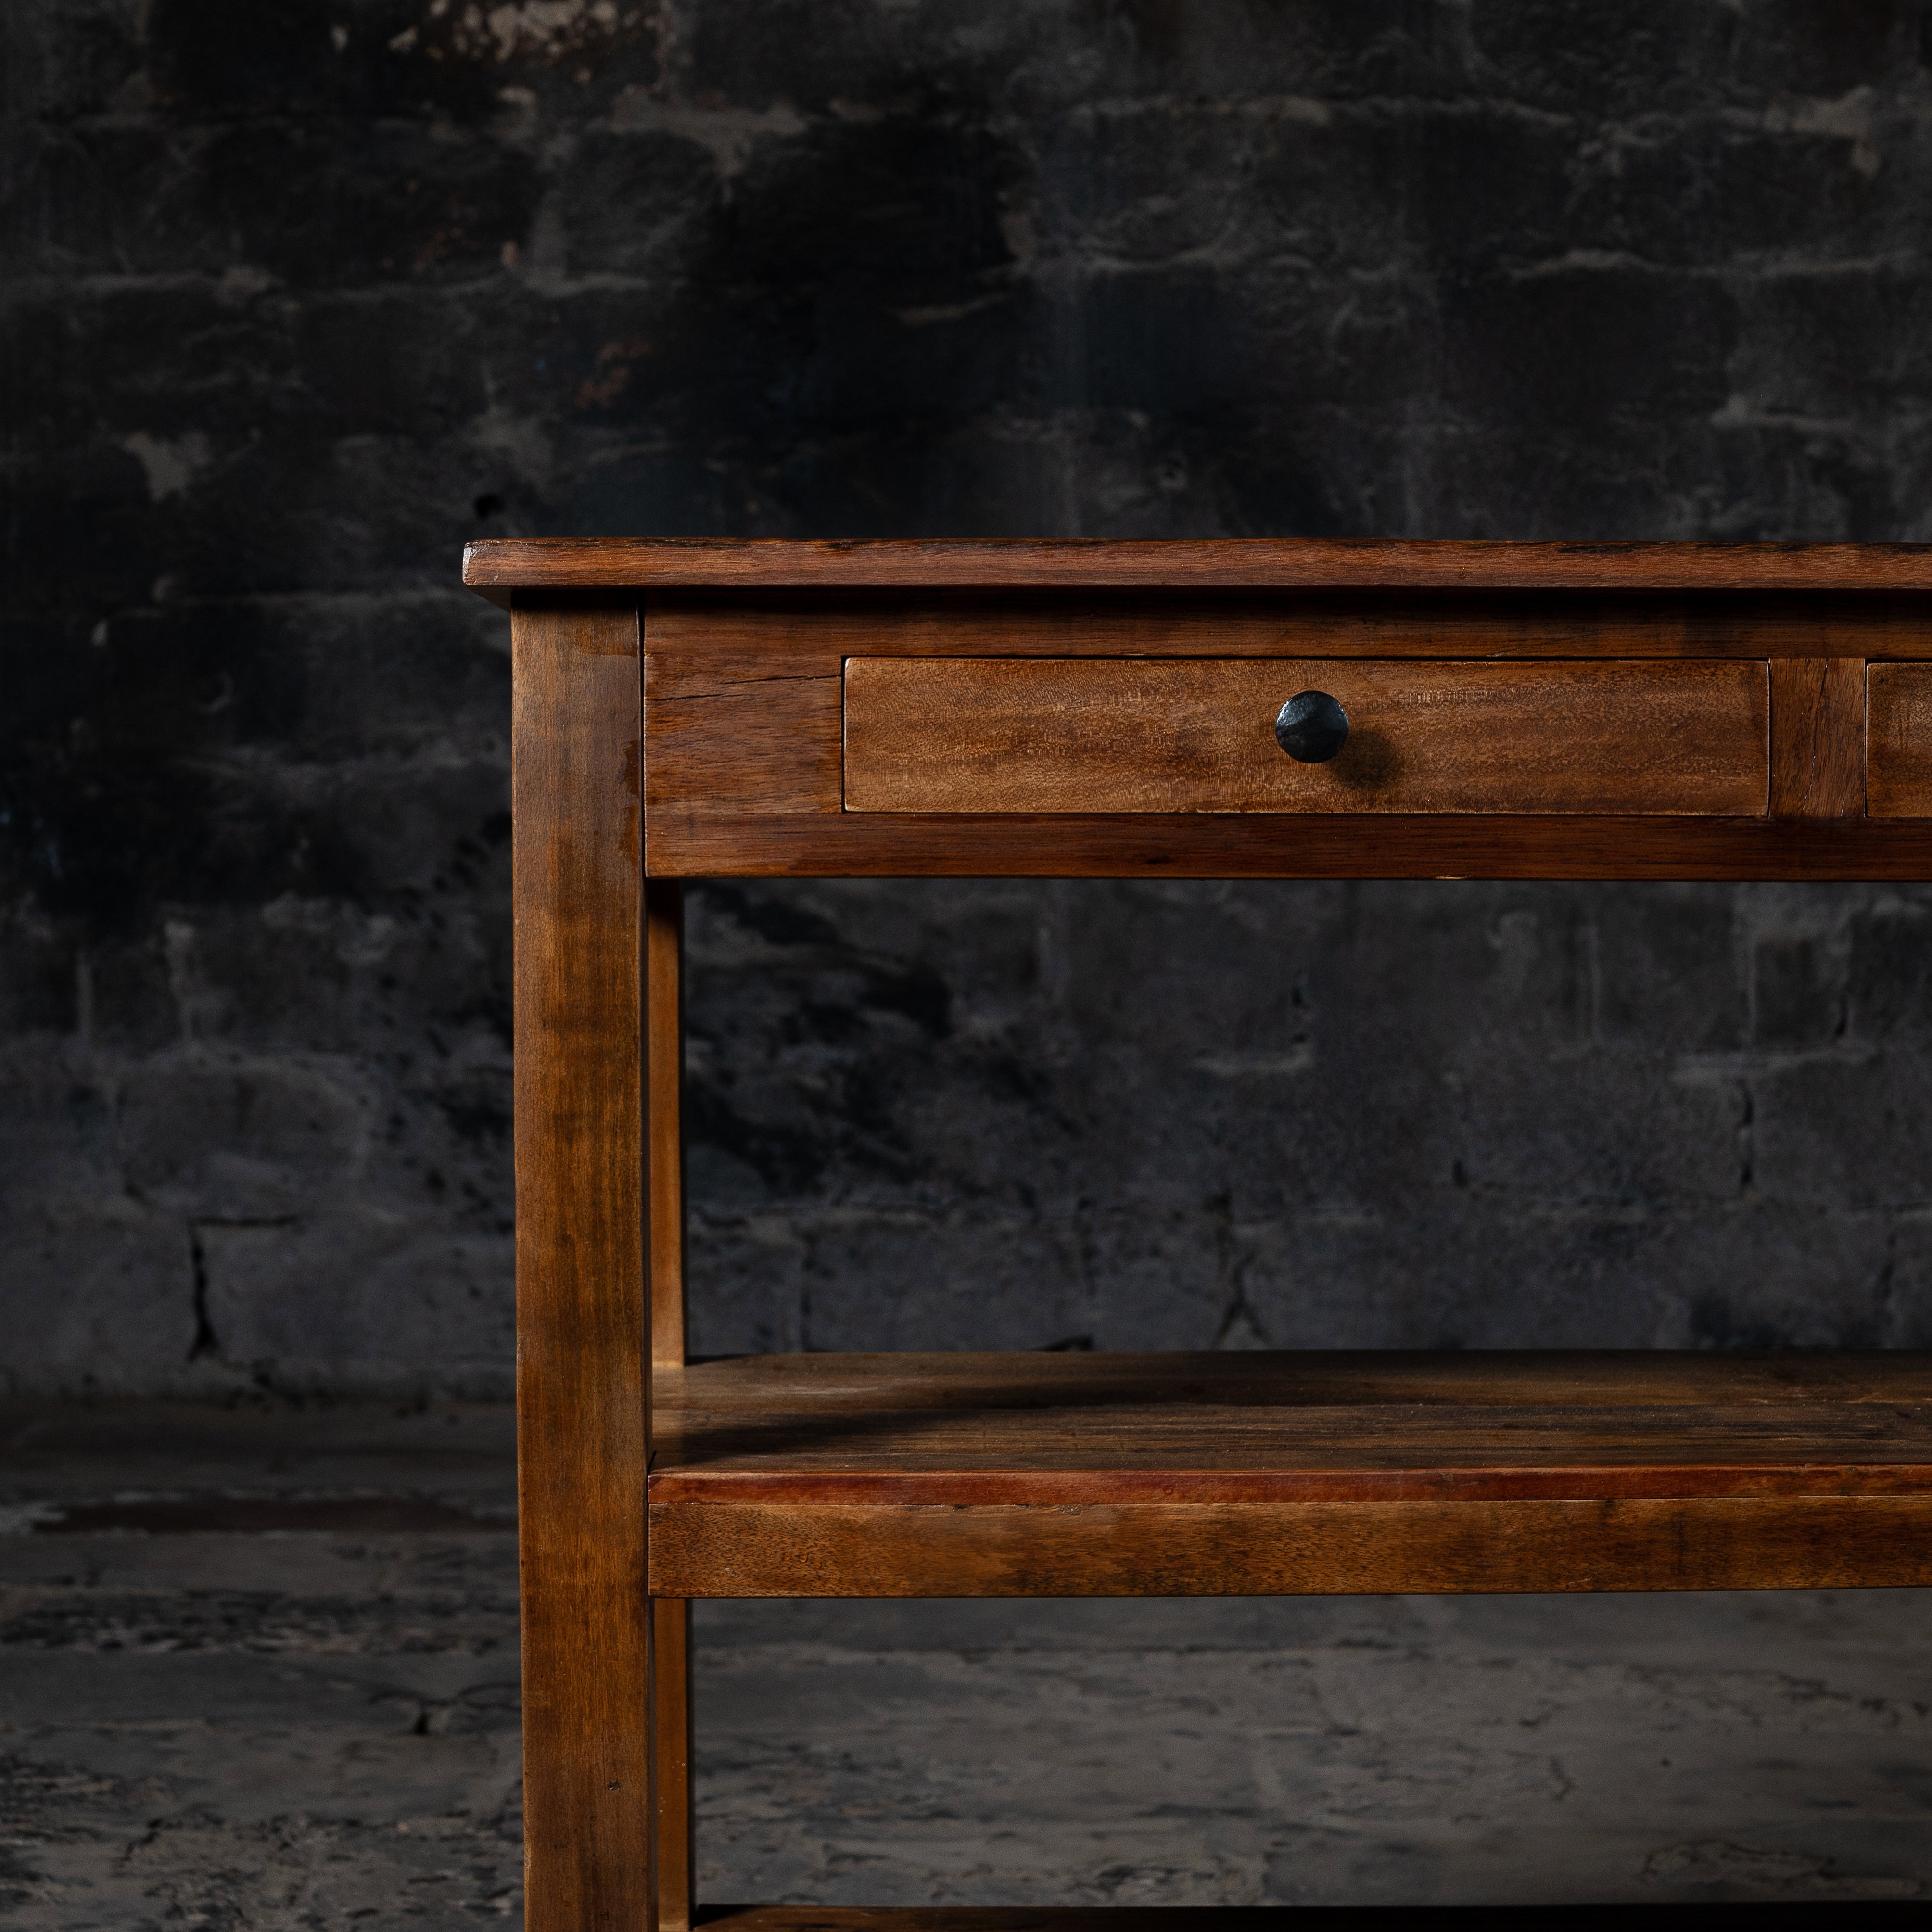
300, 294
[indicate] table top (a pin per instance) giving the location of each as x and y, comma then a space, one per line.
498, 566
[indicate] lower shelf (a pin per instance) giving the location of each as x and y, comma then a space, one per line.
1840, 1912
1272, 1474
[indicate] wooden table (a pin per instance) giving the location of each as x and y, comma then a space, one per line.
710, 709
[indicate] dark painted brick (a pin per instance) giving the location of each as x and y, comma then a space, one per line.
1665, 967
319, 205
1843, 1130
822, 55
231, 60
1637, 344
387, 363
1615, 58
1889, 996
296, 299
1798, 991
1837, 47
628, 198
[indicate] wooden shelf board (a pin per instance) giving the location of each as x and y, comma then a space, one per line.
1292, 1918
1225, 1474
1055, 1428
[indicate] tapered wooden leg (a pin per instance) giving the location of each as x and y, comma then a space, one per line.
671, 1693
582, 1387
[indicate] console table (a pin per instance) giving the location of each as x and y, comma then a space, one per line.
1254, 709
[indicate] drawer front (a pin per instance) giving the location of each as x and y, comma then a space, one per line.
1898, 740
1139, 735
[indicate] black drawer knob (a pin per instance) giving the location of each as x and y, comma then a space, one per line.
1312, 727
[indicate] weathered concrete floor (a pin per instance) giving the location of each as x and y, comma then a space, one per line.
265, 1729
316, 1727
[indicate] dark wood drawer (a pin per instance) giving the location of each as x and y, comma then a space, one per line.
1898, 740
1425, 736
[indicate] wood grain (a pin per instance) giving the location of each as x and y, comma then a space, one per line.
1818, 738
952, 1382
1224, 1549
583, 1419
1038, 1918
1030, 1428
1210, 1474
671, 1719
593, 563
670, 1619
1898, 781
1059, 1475
1234, 845
743, 763
1055, 735
744, 734
733, 632
663, 1024
1701, 1917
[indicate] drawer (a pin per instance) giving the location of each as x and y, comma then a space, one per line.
1134, 734
1898, 740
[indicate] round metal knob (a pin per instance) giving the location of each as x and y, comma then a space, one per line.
1312, 727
